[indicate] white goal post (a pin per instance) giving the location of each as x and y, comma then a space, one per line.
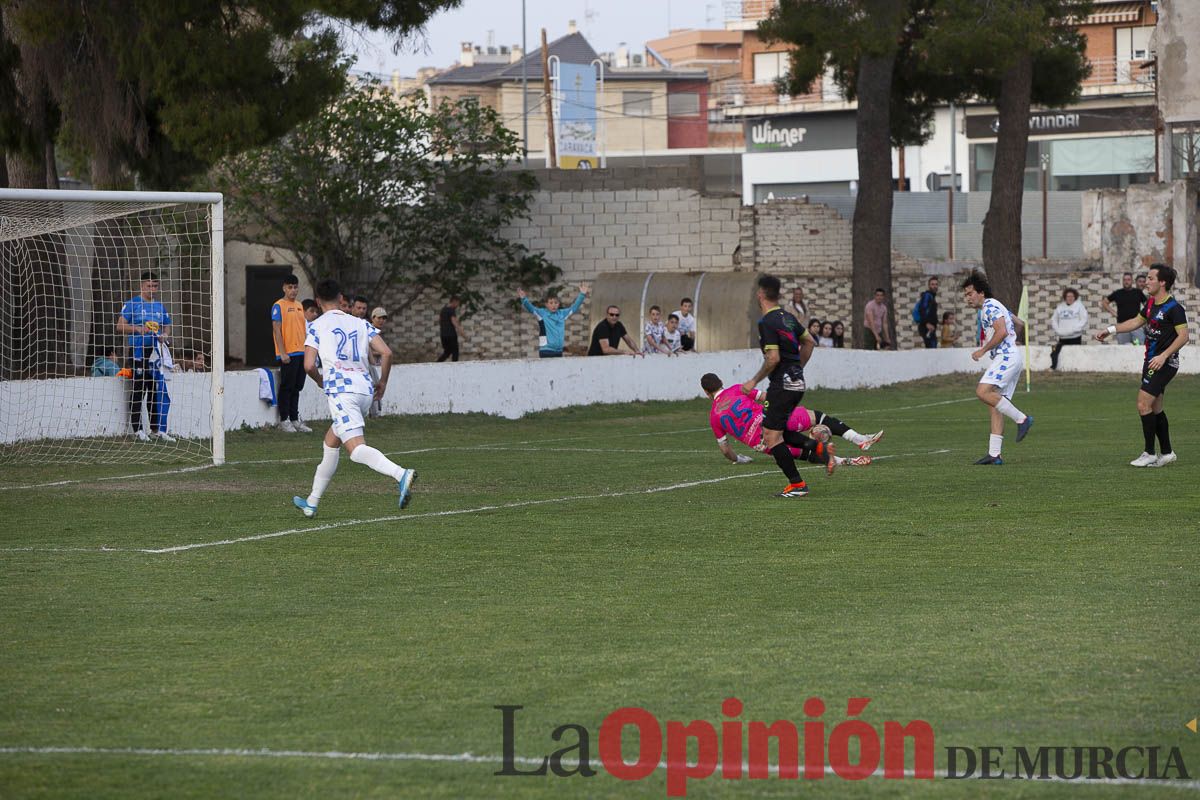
112, 327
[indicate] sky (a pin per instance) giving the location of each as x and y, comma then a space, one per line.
605, 23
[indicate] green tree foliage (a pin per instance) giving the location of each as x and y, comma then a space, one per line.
1014, 53
860, 41
373, 192
162, 90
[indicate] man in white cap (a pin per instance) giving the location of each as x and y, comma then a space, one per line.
379, 318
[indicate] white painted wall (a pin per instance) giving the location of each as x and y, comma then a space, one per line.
78, 407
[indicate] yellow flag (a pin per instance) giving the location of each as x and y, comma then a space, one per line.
1023, 306
1023, 315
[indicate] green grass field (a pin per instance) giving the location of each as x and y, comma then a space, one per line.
1051, 601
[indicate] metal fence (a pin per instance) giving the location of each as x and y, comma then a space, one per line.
921, 223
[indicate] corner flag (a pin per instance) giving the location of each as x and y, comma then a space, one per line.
1023, 313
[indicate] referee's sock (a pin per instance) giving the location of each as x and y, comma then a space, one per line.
783, 457
1164, 436
1149, 429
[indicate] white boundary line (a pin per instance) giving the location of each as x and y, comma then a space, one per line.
470, 758
485, 446
431, 514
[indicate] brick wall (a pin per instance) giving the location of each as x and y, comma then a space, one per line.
587, 226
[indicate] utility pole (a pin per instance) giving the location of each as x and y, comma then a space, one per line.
524, 92
549, 100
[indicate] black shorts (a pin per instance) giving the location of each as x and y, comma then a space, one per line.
779, 405
1154, 382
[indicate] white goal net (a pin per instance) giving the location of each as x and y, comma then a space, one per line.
111, 327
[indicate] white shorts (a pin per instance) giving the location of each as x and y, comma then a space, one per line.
347, 411
1005, 372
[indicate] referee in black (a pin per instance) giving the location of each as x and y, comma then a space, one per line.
1166, 333
786, 347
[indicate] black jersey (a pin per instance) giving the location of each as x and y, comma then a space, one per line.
779, 330
1161, 323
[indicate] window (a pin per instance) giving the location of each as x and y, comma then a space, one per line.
1133, 44
983, 157
636, 104
768, 67
683, 104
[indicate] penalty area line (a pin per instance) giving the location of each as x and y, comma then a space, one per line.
471, 758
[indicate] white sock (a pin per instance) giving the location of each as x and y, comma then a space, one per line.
994, 442
365, 454
854, 437
1006, 408
324, 473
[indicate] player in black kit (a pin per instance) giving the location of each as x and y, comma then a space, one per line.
786, 347
1166, 332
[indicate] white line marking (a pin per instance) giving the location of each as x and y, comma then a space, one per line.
495, 446
471, 758
449, 513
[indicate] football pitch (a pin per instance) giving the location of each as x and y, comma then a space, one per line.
178, 634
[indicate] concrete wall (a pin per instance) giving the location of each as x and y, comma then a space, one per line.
1177, 43
238, 256
1129, 229
97, 406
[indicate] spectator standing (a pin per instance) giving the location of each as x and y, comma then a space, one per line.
344, 304
799, 307
358, 307
687, 324
553, 320
288, 329
926, 314
379, 318
145, 322
1069, 322
652, 333
826, 337
106, 366
814, 328
311, 310
1129, 300
839, 334
875, 322
949, 331
450, 330
608, 335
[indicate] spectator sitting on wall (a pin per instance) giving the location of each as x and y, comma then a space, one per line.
106, 366
608, 335
553, 320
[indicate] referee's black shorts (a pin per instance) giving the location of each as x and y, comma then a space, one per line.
1154, 381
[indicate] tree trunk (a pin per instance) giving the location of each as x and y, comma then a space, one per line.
872, 257
51, 167
1002, 225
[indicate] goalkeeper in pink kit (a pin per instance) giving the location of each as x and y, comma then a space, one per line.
740, 415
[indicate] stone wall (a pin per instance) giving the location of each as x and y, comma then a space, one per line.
634, 220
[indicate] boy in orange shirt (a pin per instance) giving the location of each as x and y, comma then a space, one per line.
288, 327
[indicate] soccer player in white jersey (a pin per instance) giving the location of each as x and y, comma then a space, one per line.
998, 338
342, 342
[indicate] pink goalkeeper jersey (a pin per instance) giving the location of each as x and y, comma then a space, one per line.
741, 416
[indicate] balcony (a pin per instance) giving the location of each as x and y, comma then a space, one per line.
735, 97
746, 14
1119, 75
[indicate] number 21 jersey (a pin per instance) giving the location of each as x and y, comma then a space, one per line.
343, 342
